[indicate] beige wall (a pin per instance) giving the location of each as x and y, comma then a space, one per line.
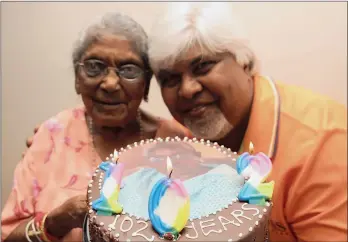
299, 43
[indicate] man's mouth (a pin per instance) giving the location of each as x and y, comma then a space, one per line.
198, 110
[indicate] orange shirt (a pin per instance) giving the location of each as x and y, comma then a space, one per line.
305, 135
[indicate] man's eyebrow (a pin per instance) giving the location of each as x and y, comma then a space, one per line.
163, 73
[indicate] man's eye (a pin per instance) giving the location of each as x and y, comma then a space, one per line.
203, 67
170, 81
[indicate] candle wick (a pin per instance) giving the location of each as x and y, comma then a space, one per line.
170, 174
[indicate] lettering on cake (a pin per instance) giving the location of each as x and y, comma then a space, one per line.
190, 230
112, 226
130, 225
194, 228
240, 214
207, 226
137, 233
226, 221
244, 207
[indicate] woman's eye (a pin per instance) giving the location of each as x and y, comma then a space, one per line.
93, 67
203, 67
131, 71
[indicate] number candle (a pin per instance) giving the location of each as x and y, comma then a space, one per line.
107, 203
169, 206
256, 169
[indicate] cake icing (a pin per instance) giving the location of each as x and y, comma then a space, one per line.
203, 198
107, 203
256, 169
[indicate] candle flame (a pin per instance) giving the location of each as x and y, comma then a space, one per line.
115, 156
251, 148
169, 167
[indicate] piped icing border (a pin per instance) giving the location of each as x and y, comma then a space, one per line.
109, 228
193, 228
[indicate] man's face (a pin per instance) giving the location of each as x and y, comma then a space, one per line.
207, 93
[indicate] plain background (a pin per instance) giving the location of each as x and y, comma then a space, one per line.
298, 43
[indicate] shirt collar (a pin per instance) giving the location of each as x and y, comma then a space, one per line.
263, 124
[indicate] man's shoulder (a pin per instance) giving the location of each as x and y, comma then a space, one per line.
308, 121
312, 128
310, 110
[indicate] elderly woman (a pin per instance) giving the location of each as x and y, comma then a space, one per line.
112, 75
210, 82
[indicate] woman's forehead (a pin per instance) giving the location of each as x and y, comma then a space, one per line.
112, 48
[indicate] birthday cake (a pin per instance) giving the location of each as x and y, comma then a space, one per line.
185, 190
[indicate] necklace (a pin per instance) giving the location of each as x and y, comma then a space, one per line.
91, 130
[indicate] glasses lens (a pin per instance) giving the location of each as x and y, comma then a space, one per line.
130, 72
94, 68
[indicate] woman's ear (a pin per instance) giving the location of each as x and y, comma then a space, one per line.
77, 86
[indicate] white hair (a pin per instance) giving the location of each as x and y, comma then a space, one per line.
212, 26
113, 23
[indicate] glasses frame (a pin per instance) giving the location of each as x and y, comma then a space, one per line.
106, 72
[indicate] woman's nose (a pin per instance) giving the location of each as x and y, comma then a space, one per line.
111, 82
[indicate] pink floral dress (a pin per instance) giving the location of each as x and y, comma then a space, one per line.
57, 166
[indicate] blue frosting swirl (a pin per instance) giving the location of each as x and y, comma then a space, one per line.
205, 199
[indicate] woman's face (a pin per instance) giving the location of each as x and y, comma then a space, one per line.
111, 81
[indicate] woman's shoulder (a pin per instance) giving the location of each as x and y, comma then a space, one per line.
65, 117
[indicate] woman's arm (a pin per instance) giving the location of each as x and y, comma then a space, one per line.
18, 234
30, 139
58, 223
20, 206
30, 178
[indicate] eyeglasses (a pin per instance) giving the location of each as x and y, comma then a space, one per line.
98, 69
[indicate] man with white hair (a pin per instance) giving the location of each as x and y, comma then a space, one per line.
210, 82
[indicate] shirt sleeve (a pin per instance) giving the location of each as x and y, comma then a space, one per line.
172, 128
26, 188
318, 207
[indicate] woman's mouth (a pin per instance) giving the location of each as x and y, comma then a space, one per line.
107, 106
111, 103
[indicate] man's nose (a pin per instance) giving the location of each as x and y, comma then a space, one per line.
189, 87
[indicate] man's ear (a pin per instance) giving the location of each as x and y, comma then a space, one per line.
77, 86
248, 68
